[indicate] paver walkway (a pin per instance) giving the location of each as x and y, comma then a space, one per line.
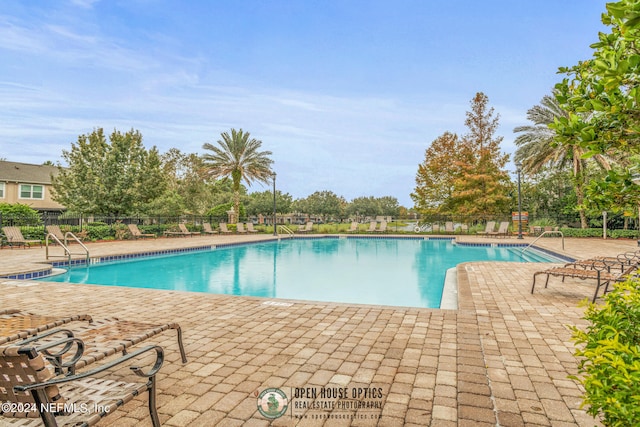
501, 359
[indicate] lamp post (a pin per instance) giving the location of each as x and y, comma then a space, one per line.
519, 170
275, 231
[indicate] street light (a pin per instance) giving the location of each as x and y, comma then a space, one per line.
275, 231
519, 170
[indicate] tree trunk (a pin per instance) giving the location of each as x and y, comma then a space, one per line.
236, 177
580, 200
579, 181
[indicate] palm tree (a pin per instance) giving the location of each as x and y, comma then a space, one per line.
237, 156
537, 149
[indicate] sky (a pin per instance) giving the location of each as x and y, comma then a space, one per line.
346, 94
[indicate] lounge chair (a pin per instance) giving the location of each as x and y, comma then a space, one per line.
15, 324
137, 234
250, 228
620, 261
435, 228
102, 338
307, 228
240, 228
382, 228
353, 228
206, 228
183, 232
55, 231
30, 388
491, 225
448, 227
14, 237
372, 227
224, 229
599, 270
503, 230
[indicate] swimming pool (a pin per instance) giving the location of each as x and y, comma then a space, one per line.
387, 271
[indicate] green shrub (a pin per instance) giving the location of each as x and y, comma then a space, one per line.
99, 231
20, 214
543, 222
581, 232
622, 234
609, 353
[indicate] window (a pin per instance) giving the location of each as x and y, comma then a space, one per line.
28, 191
1, 190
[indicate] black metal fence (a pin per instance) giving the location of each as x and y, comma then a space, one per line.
102, 227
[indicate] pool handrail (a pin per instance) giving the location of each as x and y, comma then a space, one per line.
543, 233
286, 229
64, 246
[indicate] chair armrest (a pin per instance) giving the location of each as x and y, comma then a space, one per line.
156, 367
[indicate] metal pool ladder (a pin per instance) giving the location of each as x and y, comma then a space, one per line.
286, 229
543, 233
67, 251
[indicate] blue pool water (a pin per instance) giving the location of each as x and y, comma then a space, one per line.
399, 272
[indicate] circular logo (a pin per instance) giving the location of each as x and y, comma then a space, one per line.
272, 403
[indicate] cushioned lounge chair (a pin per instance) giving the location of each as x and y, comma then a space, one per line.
382, 228
30, 388
137, 234
599, 271
102, 338
14, 238
491, 225
240, 228
353, 228
250, 228
372, 227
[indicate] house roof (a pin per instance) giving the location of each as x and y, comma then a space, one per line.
25, 172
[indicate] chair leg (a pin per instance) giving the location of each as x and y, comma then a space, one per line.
153, 411
598, 284
181, 345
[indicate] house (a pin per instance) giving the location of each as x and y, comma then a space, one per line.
28, 184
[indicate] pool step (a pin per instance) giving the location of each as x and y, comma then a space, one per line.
528, 256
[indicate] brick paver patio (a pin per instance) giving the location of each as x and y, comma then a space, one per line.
501, 359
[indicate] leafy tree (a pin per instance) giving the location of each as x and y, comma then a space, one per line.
373, 206
262, 203
364, 206
187, 186
482, 186
219, 212
436, 174
238, 156
602, 95
117, 177
324, 203
389, 206
537, 149
549, 194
